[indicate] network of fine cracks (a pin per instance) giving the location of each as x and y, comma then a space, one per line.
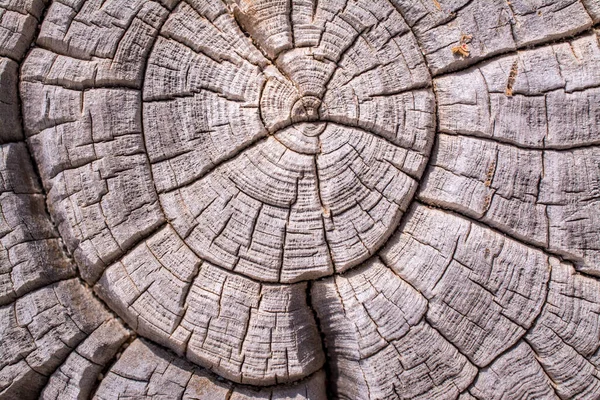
299, 199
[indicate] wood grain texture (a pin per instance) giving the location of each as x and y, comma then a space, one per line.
541, 106
299, 199
215, 318
157, 373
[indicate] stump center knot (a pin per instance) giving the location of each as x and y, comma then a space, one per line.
306, 109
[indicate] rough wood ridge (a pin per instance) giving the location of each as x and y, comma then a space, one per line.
300, 199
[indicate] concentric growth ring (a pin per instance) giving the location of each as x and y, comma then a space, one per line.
247, 176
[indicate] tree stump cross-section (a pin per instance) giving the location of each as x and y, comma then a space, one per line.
300, 199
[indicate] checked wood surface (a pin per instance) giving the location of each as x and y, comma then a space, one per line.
300, 199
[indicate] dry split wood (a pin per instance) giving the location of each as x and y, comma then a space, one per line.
299, 199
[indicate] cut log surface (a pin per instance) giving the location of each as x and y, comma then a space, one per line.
299, 199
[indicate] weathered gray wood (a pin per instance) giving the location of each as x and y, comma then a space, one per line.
92, 165
30, 249
484, 290
379, 343
547, 198
514, 375
543, 99
77, 376
535, 98
10, 125
18, 22
215, 318
295, 199
40, 331
284, 214
494, 26
145, 370
52, 334
565, 336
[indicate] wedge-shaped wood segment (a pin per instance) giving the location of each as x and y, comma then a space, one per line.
105, 43
545, 197
149, 286
267, 22
402, 118
243, 330
157, 373
77, 377
379, 343
18, 22
496, 183
540, 98
484, 290
201, 96
249, 332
